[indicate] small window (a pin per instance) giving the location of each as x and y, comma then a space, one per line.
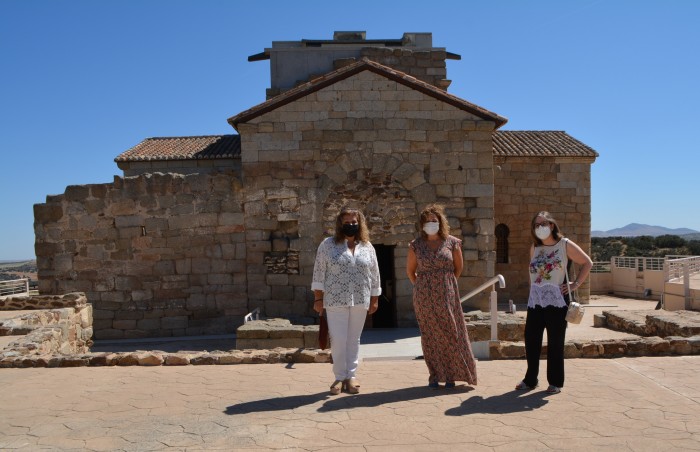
502, 233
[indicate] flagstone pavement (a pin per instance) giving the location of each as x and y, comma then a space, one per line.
626, 404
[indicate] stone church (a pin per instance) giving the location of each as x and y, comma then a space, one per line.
201, 230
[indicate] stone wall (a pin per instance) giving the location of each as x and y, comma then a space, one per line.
47, 325
157, 255
376, 144
527, 185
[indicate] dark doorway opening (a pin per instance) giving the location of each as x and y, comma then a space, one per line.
385, 317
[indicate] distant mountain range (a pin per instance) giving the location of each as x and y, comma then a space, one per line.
636, 229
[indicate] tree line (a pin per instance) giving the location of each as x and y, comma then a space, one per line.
604, 248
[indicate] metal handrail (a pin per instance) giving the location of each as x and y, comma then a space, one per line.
493, 301
496, 279
252, 315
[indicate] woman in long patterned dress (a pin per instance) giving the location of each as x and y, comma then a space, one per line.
433, 265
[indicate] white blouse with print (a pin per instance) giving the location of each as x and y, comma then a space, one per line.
344, 278
547, 273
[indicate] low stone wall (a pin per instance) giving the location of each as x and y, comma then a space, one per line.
643, 346
654, 323
510, 327
158, 358
57, 324
274, 333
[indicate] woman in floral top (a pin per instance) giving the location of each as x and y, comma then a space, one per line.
346, 285
549, 298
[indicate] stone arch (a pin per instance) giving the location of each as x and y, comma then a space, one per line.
389, 207
384, 187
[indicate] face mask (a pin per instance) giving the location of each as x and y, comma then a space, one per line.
542, 232
350, 230
431, 227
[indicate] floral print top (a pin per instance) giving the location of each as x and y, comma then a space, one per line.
547, 273
346, 279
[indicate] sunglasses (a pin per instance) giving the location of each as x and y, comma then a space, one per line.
545, 223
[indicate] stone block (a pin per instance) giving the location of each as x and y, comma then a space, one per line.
599, 321
174, 322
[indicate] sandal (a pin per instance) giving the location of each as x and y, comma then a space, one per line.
522, 386
351, 386
336, 387
553, 389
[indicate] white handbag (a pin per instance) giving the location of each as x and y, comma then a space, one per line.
575, 312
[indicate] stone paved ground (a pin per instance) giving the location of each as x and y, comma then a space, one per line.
628, 404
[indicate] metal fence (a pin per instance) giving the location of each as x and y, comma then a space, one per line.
14, 287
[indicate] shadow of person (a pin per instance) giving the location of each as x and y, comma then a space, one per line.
510, 402
276, 404
373, 399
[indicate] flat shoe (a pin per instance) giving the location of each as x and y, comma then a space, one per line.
434, 385
336, 387
524, 387
553, 390
450, 385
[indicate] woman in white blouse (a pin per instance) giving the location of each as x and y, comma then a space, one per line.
549, 298
346, 285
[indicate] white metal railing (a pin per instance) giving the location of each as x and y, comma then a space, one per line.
493, 301
601, 267
680, 268
252, 315
640, 263
14, 287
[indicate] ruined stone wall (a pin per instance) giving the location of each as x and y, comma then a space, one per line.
45, 325
373, 143
525, 186
156, 255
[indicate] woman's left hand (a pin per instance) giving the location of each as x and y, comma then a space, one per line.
373, 305
567, 289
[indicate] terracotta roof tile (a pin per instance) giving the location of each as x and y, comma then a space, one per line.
538, 143
184, 148
364, 65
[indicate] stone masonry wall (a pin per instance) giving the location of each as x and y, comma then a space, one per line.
525, 186
46, 325
373, 143
156, 255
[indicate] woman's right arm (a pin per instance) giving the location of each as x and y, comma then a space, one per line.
411, 265
319, 277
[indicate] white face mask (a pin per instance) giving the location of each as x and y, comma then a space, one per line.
542, 232
431, 227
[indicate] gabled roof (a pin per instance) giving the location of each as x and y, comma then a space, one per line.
538, 143
364, 65
506, 143
184, 148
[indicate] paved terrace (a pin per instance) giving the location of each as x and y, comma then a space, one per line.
625, 404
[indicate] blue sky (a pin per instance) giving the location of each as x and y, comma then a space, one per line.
82, 81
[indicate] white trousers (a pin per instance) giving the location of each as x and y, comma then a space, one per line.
344, 328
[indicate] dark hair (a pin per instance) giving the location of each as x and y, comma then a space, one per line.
439, 211
362, 234
556, 233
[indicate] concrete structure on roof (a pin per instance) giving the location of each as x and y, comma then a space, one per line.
202, 230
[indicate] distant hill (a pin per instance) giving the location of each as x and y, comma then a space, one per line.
636, 229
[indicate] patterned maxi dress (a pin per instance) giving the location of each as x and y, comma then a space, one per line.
446, 348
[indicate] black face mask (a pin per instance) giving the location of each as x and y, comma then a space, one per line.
350, 230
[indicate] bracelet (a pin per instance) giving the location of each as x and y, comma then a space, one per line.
318, 299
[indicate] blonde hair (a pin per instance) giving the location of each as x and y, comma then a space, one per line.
439, 211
